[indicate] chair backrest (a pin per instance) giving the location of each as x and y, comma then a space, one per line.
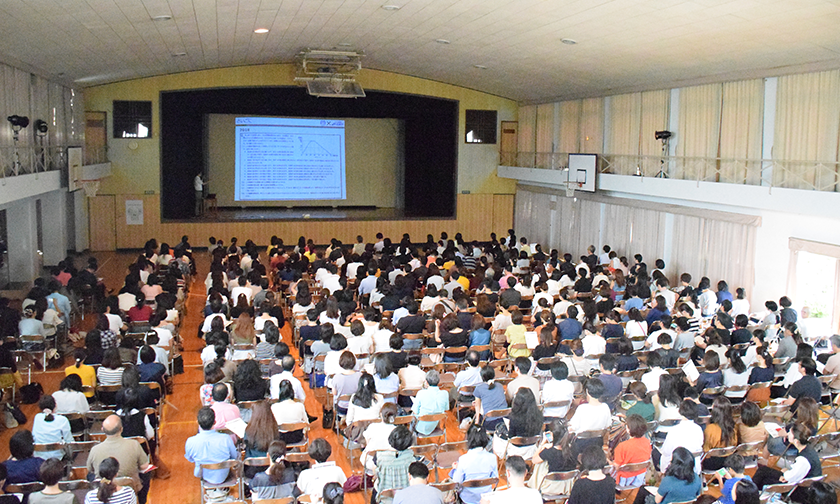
256, 462
298, 457
500, 413
562, 476
25, 488
634, 467
556, 404
296, 426
47, 447
69, 486
779, 488
227, 464
481, 482
722, 452
445, 487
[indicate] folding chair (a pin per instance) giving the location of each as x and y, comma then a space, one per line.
291, 427
438, 431
232, 481
567, 477
447, 454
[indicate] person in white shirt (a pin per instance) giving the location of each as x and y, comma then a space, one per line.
651, 378
469, 377
686, 434
412, 377
558, 389
516, 470
604, 258
592, 415
740, 306
523, 379
593, 344
313, 480
707, 299
241, 289
662, 289
288, 363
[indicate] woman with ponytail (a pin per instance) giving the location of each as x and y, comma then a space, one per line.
50, 428
278, 481
109, 492
489, 397
85, 372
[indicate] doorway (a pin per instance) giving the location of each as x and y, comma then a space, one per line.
816, 293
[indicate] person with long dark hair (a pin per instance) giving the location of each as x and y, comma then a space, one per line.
366, 402
720, 432
736, 374
70, 399
248, 383
109, 492
680, 483
288, 411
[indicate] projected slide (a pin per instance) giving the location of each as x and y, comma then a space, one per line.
289, 159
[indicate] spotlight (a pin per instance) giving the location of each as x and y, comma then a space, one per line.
663, 135
18, 122
41, 127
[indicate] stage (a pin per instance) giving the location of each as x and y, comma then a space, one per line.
247, 214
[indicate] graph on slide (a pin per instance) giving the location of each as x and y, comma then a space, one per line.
322, 147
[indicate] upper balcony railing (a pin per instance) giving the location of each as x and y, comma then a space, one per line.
808, 175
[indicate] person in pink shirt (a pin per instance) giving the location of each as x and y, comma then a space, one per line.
225, 411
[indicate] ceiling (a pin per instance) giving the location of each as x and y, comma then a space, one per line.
622, 45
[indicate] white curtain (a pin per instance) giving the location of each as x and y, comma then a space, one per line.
807, 126
703, 243
545, 134
698, 134
630, 231
527, 140
570, 126
716, 249
592, 126
741, 126
532, 216
625, 122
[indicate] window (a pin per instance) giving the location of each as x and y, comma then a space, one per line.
481, 126
132, 119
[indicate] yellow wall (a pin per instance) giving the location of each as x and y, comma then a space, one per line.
137, 171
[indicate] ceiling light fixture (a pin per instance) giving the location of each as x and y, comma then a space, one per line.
178, 54
162, 17
442, 41
390, 7
568, 41
344, 44
480, 67
261, 30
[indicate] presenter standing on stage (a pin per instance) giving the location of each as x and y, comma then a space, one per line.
199, 193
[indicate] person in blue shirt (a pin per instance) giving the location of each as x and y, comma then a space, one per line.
59, 301
477, 463
209, 447
430, 401
659, 309
48, 428
734, 468
569, 327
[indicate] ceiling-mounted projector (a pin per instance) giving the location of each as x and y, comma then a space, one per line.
330, 74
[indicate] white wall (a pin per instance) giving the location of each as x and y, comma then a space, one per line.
785, 214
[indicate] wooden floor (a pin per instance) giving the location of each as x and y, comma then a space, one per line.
179, 416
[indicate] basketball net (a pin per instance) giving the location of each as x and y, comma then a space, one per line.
90, 187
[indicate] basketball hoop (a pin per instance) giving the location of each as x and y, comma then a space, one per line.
90, 187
